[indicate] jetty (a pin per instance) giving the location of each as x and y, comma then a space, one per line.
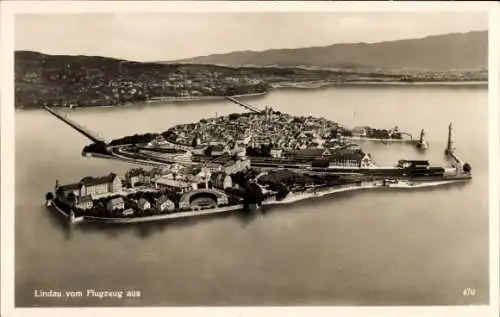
461, 167
78, 127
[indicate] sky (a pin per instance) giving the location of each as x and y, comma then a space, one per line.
170, 36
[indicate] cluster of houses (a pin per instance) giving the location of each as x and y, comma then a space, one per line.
305, 138
161, 204
340, 158
102, 86
256, 129
84, 194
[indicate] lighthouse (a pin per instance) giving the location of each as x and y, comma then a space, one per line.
449, 148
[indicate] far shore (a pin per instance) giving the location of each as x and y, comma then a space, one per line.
201, 98
314, 85
277, 86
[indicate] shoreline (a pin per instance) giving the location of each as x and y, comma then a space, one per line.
317, 85
367, 139
278, 86
201, 98
291, 198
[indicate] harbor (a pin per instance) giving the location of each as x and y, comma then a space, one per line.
191, 177
372, 218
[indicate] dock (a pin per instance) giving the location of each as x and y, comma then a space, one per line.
461, 167
78, 127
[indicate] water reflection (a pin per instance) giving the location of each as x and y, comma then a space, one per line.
245, 217
146, 229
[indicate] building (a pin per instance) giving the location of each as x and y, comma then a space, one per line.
174, 185
220, 149
413, 163
115, 203
143, 204
366, 161
235, 166
159, 139
194, 171
84, 202
359, 132
100, 185
93, 186
64, 190
137, 175
212, 167
184, 204
128, 212
221, 180
276, 152
163, 204
344, 158
348, 158
199, 150
310, 153
222, 200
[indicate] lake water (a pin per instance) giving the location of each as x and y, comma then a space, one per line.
368, 248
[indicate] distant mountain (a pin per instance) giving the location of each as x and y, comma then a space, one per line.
86, 81
440, 52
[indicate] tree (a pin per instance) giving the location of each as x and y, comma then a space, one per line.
71, 197
208, 151
49, 196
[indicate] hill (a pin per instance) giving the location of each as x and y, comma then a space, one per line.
84, 81
440, 52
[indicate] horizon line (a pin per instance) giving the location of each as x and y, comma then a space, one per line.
253, 51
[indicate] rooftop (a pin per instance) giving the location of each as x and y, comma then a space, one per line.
89, 180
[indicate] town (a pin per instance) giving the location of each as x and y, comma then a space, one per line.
255, 138
146, 193
85, 81
239, 162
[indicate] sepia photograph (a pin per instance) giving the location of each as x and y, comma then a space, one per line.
249, 158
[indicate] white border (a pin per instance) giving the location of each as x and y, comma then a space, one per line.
9, 9
494, 151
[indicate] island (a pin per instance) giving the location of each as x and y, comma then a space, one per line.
239, 162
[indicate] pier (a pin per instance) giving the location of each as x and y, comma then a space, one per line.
243, 104
461, 167
361, 138
78, 127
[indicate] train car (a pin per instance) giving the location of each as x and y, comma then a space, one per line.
424, 171
320, 164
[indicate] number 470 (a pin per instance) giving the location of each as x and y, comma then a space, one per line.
468, 291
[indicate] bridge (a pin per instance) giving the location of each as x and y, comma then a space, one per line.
80, 128
243, 104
